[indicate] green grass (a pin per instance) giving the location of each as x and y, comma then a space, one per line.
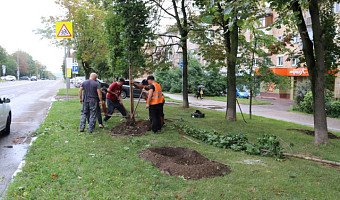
71, 92
99, 166
241, 100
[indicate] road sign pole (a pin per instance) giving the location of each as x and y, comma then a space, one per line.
67, 79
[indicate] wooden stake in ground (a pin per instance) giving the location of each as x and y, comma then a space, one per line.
140, 96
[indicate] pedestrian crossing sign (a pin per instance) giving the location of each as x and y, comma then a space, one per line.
64, 30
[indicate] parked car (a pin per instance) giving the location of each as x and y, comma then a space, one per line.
34, 78
78, 81
3, 78
126, 90
24, 78
103, 84
10, 78
5, 116
242, 94
72, 80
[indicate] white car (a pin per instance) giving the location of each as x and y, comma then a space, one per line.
10, 78
5, 116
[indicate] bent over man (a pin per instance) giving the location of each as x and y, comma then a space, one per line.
114, 100
154, 103
92, 97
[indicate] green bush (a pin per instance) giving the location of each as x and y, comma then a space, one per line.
334, 110
332, 107
171, 79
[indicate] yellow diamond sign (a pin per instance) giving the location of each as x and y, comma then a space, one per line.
64, 30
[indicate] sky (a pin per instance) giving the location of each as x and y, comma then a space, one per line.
18, 19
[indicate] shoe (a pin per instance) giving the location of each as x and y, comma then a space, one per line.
81, 130
101, 126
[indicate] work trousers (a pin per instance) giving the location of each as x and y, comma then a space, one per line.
112, 105
155, 114
89, 112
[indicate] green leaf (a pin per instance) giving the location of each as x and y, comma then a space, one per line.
207, 19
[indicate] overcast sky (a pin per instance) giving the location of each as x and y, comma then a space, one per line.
18, 20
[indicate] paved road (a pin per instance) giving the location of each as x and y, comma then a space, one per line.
276, 110
30, 102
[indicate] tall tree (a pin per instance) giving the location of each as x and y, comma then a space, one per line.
180, 12
314, 54
219, 38
134, 16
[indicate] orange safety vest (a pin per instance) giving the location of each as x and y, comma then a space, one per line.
157, 95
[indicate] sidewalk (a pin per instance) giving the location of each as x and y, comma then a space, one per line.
276, 110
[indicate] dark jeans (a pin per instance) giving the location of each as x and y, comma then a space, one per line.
99, 114
89, 112
155, 114
112, 105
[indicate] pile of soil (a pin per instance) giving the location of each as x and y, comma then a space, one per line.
178, 161
129, 128
308, 132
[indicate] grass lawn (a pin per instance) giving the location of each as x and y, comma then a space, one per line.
66, 164
240, 100
71, 92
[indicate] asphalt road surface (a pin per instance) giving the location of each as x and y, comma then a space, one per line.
30, 101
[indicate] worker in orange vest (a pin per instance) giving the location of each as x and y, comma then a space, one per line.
145, 95
154, 103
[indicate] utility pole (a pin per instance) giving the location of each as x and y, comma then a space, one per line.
18, 62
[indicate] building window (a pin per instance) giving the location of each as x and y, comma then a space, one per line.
262, 22
267, 61
279, 61
256, 61
295, 39
295, 61
336, 7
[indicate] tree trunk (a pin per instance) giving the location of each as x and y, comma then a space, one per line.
131, 91
185, 74
86, 70
320, 118
316, 70
232, 57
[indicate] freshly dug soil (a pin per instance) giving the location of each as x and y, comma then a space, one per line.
308, 132
128, 128
178, 161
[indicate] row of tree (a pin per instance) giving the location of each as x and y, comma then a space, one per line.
119, 38
27, 65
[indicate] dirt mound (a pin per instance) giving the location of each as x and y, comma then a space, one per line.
128, 128
178, 161
308, 132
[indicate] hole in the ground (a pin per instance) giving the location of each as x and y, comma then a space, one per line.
184, 162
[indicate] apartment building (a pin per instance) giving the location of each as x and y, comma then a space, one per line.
285, 64
281, 64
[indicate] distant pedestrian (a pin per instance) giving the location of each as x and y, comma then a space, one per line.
155, 102
99, 111
200, 93
90, 100
114, 99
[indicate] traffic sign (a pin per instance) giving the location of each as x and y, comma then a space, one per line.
75, 68
181, 64
64, 30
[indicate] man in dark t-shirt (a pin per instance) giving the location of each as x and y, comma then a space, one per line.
113, 99
90, 100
